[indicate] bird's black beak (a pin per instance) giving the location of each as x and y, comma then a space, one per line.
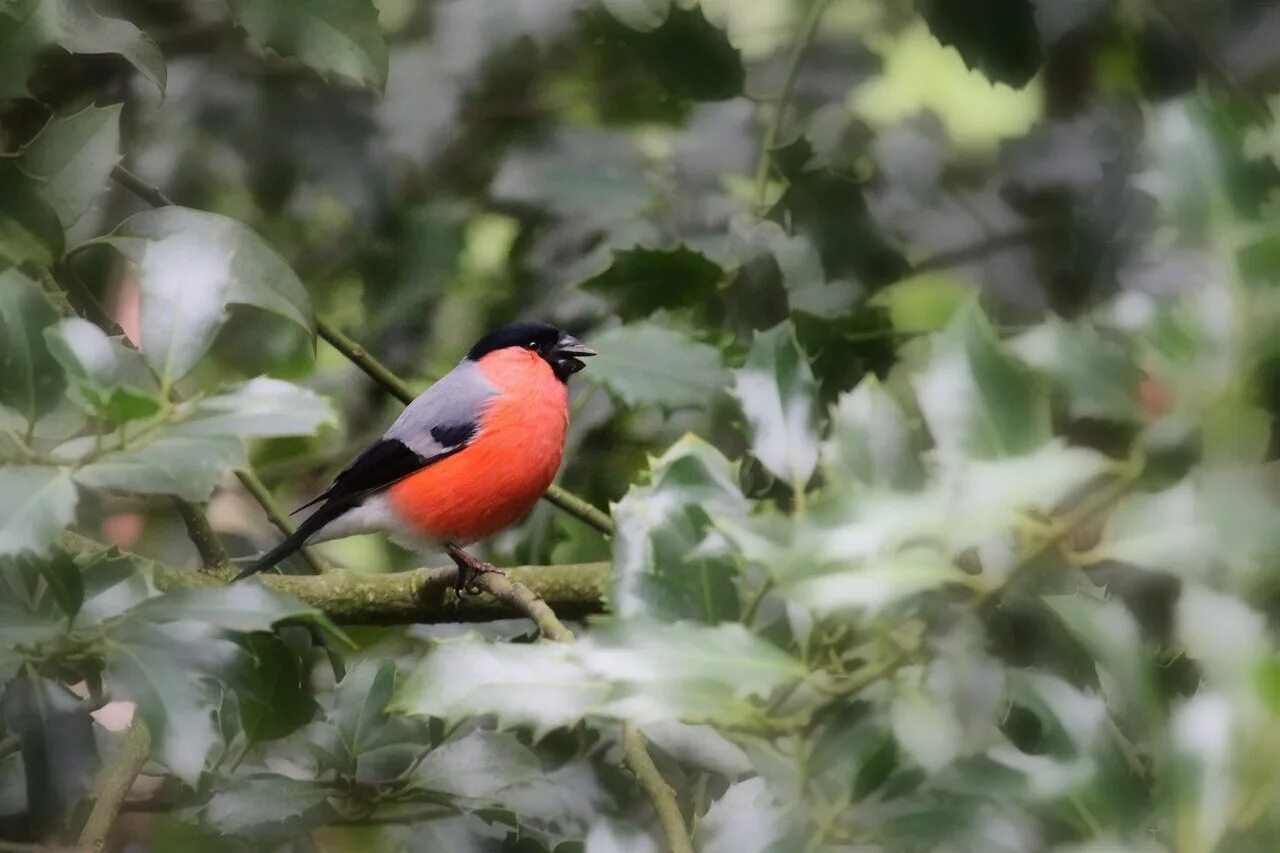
568, 354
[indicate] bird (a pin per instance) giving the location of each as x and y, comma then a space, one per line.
467, 458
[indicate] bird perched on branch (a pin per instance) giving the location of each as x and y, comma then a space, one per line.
467, 458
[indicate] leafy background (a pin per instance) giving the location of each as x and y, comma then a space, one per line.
934, 415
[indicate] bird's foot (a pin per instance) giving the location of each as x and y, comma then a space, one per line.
470, 569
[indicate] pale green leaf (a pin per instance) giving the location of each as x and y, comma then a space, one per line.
610, 836
748, 818
83, 30
36, 504
336, 38
642, 15
260, 408
258, 802
1203, 733
979, 402
870, 441
72, 158
1226, 637
647, 364
1163, 531
191, 266
107, 378
31, 382
189, 467
238, 607
1097, 373
779, 398
360, 704
925, 302
479, 766
1109, 633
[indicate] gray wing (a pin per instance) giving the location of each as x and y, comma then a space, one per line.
440, 422
445, 417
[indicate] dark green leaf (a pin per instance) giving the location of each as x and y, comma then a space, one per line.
36, 504
273, 690
192, 265
690, 57
336, 38
998, 37
58, 752
31, 382
27, 28
29, 228
361, 702
64, 584
72, 159
642, 280
646, 364
779, 398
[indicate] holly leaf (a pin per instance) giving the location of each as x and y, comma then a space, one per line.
30, 231
31, 382
479, 766
779, 399
167, 671
36, 504
72, 158
1098, 374
189, 467
267, 806
998, 37
83, 30
645, 279
260, 408
978, 400
236, 607
748, 818
642, 15
107, 378
870, 441
691, 57
337, 38
192, 265
647, 364
274, 690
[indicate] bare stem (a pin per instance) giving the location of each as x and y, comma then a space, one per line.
112, 785
213, 558
636, 757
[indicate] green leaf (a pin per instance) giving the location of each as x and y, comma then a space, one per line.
1097, 373
266, 805
643, 279
658, 567
1227, 639
999, 37
748, 818
691, 57
361, 702
189, 467
870, 441
82, 30
979, 402
646, 364
923, 303
479, 766
611, 836
29, 228
237, 607
1165, 531
274, 691
107, 378
191, 266
779, 398
799, 266
260, 408
112, 585
58, 752
63, 583
72, 158
642, 15
31, 382
1109, 633
165, 671
336, 38
36, 504
27, 28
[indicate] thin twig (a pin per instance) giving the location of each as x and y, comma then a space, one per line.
636, 757
798, 50
149, 193
112, 786
213, 557
258, 490
527, 602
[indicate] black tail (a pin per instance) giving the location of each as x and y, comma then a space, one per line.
318, 519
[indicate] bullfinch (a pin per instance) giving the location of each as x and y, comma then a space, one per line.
469, 457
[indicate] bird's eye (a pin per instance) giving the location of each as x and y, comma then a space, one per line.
532, 345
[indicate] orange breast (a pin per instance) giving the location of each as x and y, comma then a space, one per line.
499, 477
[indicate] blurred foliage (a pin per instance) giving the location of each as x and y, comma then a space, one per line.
935, 411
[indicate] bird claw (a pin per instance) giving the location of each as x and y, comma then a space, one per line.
469, 571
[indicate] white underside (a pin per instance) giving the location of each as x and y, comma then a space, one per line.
376, 516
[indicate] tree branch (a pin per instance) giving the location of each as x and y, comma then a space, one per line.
401, 598
112, 785
636, 757
213, 557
